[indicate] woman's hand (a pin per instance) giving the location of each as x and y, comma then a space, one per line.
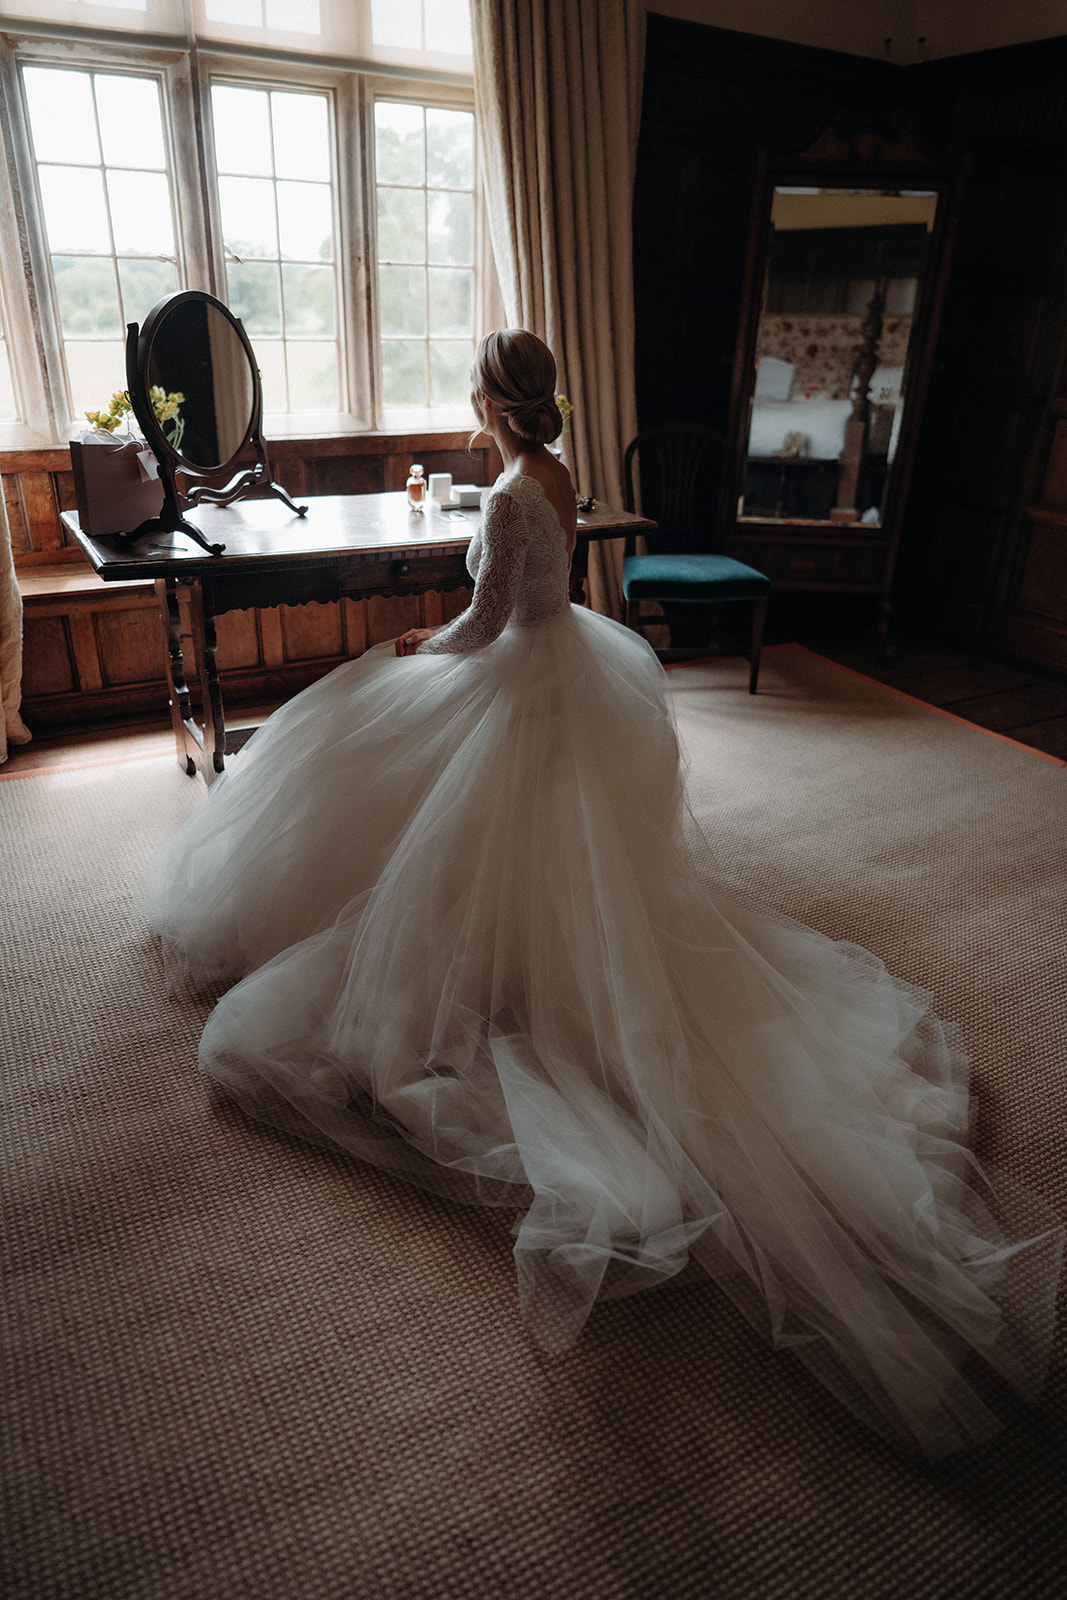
409, 642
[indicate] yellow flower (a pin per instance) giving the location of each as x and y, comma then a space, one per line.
113, 417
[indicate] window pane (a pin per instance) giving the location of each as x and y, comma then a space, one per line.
448, 26
449, 148
404, 372
240, 119
451, 227
312, 376
401, 225
270, 359
451, 302
61, 115
141, 218
436, 216
88, 295
305, 221
254, 295
75, 213
397, 23
8, 410
106, 196
450, 372
399, 142
130, 128
301, 136
142, 283
273, 221
249, 224
402, 300
245, 13
96, 371
309, 301
293, 16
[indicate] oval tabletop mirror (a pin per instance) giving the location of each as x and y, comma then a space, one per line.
195, 390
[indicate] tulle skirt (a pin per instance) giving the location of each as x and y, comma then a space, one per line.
474, 951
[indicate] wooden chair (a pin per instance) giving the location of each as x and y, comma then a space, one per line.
680, 464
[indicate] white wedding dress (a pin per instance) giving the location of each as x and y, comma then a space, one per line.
474, 951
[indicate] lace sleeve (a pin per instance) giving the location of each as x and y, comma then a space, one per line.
505, 535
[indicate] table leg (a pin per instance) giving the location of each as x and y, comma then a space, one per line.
181, 715
579, 572
213, 752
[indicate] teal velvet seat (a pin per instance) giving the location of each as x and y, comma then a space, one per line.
680, 466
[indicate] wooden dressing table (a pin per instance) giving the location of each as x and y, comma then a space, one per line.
346, 545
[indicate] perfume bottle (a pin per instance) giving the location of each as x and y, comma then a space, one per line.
416, 489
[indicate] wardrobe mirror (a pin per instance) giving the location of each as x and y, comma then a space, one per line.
844, 279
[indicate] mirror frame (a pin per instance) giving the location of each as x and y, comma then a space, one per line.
840, 156
200, 487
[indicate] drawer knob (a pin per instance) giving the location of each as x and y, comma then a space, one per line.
403, 569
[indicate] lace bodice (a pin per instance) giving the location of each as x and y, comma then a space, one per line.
518, 560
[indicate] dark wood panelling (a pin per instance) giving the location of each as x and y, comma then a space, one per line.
95, 651
980, 558
129, 645
239, 641
48, 659
311, 630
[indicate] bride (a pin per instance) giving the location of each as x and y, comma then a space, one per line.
453, 880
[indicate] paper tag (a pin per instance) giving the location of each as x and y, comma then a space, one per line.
146, 460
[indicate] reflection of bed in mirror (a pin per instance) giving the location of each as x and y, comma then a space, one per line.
826, 409
796, 440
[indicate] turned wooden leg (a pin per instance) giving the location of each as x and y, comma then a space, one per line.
181, 713
214, 752
759, 617
885, 609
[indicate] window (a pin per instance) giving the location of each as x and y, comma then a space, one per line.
336, 213
105, 193
424, 163
277, 207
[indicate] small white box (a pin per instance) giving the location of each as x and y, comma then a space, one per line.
466, 494
440, 486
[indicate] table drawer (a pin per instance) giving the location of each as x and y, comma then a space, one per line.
810, 562
404, 575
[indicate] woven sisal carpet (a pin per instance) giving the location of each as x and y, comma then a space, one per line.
239, 1368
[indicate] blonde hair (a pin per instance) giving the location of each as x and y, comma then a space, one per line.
517, 371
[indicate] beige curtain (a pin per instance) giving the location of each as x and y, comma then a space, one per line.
558, 93
12, 728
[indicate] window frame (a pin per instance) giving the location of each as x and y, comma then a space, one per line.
186, 75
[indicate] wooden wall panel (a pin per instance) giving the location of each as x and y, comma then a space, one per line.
1054, 483
238, 641
1042, 583
129, 644
310, 631
47, 657
388, 616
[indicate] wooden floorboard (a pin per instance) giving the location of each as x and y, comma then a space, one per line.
1005, 698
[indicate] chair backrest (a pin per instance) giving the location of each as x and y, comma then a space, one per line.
679, 466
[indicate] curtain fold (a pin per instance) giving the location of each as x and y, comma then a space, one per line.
12, 728
558, 98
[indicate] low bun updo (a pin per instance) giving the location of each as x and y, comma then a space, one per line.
517, 371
